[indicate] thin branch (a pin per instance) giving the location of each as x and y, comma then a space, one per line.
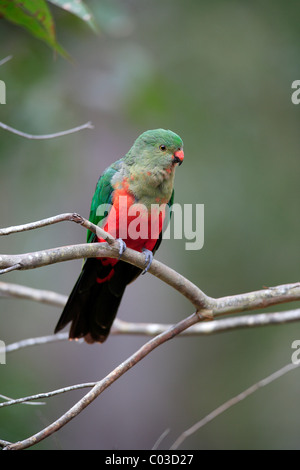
24, 343
206, 307
69, 216
87, 125
39, 396
38, 295
160, 439
259, 299
233, 401
153, 329
210, 327
24, 402
105, 383
6, 59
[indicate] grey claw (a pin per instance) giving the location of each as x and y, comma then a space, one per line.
122, 246
148, 259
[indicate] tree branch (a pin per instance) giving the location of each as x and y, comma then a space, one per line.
105, 383
39, 396
206, 307
69, 216
90, 250
38, 295
24, 343
233, 401
153, 329
6, 59
87, 125
23, 402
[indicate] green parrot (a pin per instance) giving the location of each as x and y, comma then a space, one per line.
130, 202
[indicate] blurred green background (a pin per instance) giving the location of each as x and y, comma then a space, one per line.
219, 74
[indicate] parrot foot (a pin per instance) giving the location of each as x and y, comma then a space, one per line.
148, 259
122, 246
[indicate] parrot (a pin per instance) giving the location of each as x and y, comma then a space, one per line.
141, 182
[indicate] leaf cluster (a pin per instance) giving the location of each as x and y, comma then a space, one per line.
36, 17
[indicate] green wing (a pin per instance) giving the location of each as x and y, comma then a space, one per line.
102, 197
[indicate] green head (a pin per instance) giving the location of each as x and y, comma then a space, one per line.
157, 148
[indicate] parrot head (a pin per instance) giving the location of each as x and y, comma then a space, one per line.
158, 148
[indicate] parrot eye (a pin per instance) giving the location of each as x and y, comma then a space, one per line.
162, 147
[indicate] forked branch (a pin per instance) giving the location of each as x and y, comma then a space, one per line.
206, 308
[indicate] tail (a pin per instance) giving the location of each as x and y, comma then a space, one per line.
95, 299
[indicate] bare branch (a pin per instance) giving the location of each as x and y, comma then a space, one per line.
258, 299
210, 327
153, 329
24, 343
105, 383
39, 396
233, 401
91, 250
206, 307
6, 59
4, 443
69, 216
87, 125
24, 402
209, 306
38, 295
160, 439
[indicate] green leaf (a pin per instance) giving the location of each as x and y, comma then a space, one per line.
35, 16
78, 8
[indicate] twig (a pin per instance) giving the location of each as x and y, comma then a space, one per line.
160, 439
153, 329
87, 125
210, 327
38, 295
39, 396
24, 343
233, 401
105, 383
69, 217
24, 402
6, 59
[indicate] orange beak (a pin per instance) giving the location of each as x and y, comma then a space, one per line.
178, 156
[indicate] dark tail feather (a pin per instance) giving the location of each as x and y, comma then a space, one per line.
92, 306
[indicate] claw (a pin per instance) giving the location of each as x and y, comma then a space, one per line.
148, 259
122, 246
